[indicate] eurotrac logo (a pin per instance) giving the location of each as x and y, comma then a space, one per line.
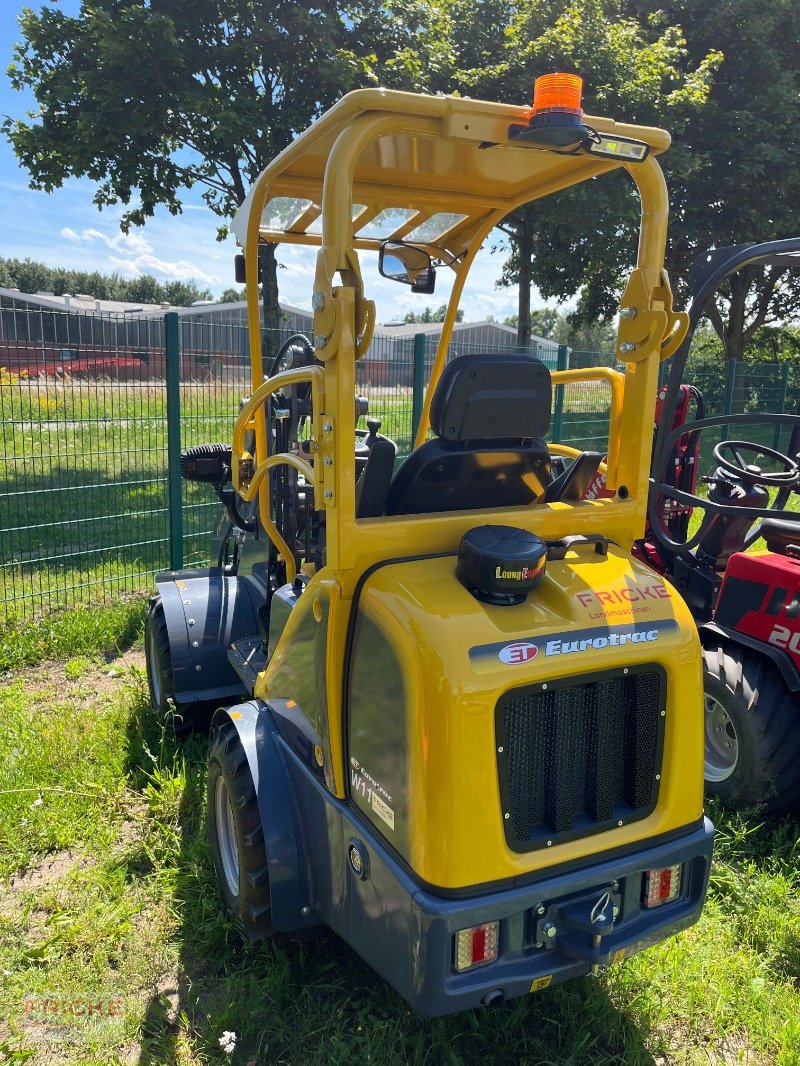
600, 638
521, 652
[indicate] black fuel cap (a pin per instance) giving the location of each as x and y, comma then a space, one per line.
500, 564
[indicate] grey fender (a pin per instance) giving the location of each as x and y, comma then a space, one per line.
205, 611
277, 805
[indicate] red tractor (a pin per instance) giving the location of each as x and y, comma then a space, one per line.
746, 604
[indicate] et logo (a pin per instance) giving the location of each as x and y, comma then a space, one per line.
514, 654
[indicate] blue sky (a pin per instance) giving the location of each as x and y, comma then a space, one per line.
64, 228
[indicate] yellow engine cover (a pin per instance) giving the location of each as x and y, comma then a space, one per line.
428, 666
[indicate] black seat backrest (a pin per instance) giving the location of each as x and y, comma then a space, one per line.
489, 414
570, 486
372, 487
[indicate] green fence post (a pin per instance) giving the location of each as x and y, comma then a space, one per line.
418, 384
562, 363
730, 381
776, 443
172, 346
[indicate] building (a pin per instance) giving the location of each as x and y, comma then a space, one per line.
44, 334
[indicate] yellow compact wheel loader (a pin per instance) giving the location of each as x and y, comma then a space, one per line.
459, 723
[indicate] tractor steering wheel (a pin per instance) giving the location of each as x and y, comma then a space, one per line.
787, 478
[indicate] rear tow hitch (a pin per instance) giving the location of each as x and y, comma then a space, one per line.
577, 928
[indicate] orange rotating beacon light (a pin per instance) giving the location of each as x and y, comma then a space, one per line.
556, 123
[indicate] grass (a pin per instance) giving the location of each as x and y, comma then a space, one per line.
107, 896
85, 516
71, 632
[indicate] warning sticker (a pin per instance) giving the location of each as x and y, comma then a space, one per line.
541, 982
383, 810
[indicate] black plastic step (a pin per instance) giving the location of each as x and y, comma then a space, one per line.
248, 658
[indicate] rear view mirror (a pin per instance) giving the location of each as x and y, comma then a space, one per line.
407, 264
239, 271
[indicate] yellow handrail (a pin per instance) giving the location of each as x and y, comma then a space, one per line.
287, 458
247, 487
617, 382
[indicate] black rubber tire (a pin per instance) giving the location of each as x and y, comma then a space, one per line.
160, 682
766, 718
228, 769
158, 660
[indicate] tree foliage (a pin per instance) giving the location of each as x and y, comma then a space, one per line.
581, 241
30, 276
149, 98
232, 296
430, 314
734, 177
552, 324
724, 80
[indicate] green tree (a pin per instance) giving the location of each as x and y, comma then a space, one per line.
581, 241
232, 296
569, 329
150, 99
733, 175
544, 321
584, 336
430, 314
30, 276
724, 80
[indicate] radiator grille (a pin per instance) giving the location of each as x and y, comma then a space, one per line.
578, 758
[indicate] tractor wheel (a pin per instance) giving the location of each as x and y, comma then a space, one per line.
752, 731
159, 660
159, 676
237, 836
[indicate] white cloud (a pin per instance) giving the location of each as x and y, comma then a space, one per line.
134, 243
173, 271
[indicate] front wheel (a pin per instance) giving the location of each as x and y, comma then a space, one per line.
236, 835
752, 731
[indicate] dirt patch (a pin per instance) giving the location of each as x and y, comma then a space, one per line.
731, 1050
168, 993
48, 678
54, 867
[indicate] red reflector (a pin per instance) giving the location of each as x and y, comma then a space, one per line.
661, 885
479, 945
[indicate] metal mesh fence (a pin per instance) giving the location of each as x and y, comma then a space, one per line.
89, 509
83, 492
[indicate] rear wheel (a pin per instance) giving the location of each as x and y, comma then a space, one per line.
160, 682
159, 660
237, 835
752, 731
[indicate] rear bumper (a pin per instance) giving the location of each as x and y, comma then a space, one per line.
528, 958
405, 931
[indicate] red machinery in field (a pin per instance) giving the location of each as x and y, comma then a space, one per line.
747, 605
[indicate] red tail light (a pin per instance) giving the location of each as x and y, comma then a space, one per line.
476, 945
661, 886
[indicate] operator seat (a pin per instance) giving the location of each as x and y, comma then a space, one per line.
489, 415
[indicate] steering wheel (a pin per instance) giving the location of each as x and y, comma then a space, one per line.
786, 478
